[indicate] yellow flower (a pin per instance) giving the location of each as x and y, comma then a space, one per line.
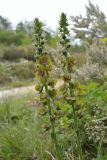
39, 87
78, 89
45, 61
53, 93
71, 64
42, 111
40, 74
52, 83
77, 85
66, 77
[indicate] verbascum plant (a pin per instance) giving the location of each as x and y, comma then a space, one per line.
45, 82
70, 88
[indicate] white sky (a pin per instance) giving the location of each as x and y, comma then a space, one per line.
47, 10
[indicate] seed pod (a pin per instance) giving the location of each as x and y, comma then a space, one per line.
52, 83
42, 43
42, 111
71, 99
66, 77
61, 42
46, 128
45, 52
52, 118
39, 88
52, 93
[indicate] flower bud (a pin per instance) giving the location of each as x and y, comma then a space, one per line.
39, 50
65, 53
66, 77
42, 43
68, 46
64, 37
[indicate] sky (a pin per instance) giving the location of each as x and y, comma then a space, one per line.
47, 11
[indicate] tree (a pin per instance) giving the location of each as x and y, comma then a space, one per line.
24, 27
5, 24
94, 24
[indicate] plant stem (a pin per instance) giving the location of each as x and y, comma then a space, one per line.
53, 134
76, 124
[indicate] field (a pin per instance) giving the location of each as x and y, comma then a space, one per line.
24, 130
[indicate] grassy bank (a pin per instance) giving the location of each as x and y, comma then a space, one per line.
24, 130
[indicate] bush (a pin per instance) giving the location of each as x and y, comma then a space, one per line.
97, 52
89, 72
6, 37
5, 76
23, 71
5, 79
29, 53
13, 53
96, 61
16, 73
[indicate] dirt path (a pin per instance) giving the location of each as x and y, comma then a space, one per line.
16, 91
22, 90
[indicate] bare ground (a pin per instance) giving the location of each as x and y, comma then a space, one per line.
22, 90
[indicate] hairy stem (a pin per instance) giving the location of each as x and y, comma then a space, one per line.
53, 134
76, 124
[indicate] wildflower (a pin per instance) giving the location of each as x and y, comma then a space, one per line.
70, 64
52, 93
45, 61
66, 77
39, 87
52, 83
69, 88
40, 73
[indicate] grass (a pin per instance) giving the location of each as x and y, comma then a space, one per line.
20, 135
16, 84
24, 132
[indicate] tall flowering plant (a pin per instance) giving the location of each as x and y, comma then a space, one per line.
70, 87
45, 82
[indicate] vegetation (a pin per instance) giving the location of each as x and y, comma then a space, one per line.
94, 24
66, 118
24, 130
16, 74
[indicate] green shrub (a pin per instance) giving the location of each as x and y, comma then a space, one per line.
6, 37
30, 53
5, 79
23, 71
16, 74
13, 53
4, 74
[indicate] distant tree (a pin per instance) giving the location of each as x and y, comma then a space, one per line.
20, 27
24, 27
94, 24
6, 37
5, 24
51, 37
24, 32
